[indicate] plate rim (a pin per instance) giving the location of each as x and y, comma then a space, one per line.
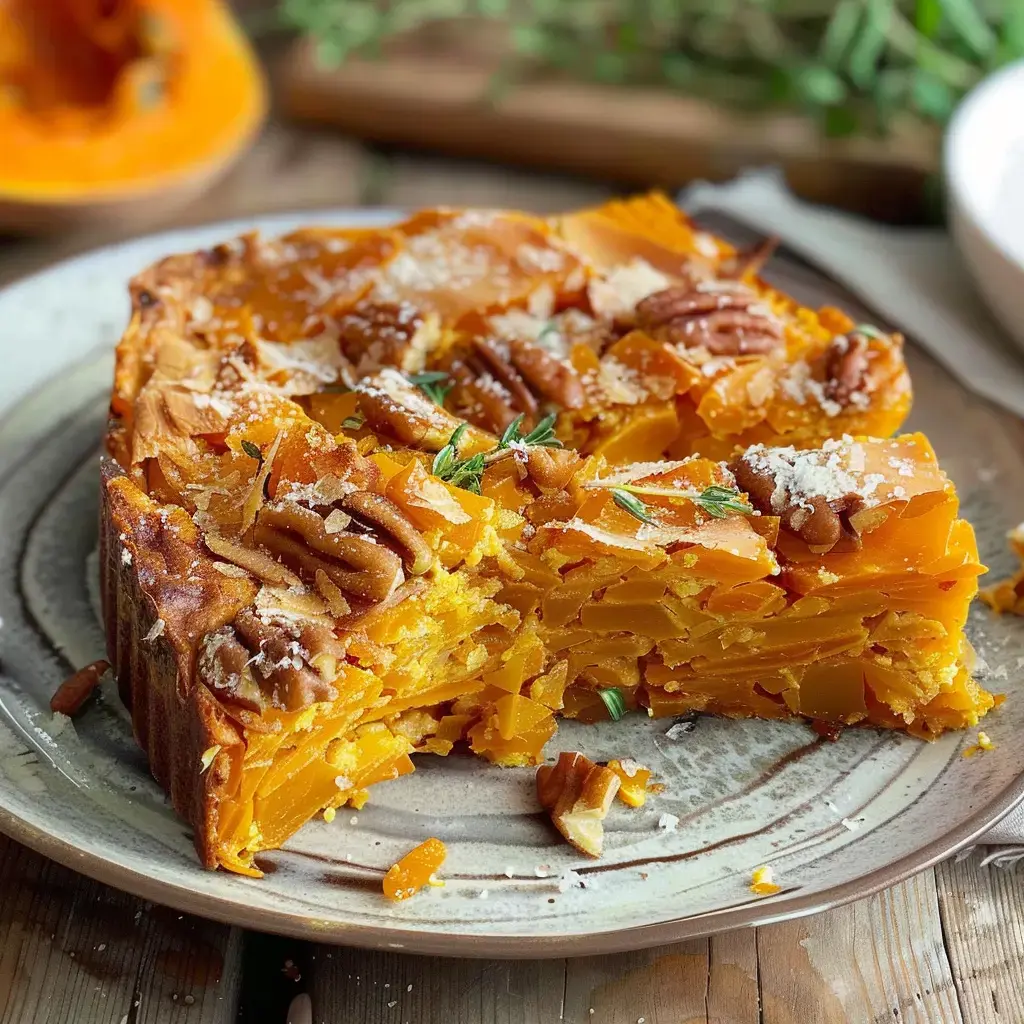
107, 868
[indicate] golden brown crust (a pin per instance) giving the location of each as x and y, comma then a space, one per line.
176, 720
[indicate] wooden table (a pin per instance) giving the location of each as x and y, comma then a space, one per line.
945, 946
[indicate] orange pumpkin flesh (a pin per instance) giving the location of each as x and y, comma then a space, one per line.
544, 590
102, 105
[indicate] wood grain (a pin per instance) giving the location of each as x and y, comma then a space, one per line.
880, 959
437, 93
347, 985
73, 951
983, 920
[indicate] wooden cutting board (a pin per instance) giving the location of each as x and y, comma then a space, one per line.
437, 93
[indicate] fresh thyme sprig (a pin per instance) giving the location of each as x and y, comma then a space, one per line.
467, 473
715, 500
353, 422
253, 451
435, 384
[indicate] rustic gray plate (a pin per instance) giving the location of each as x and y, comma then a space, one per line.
744, 793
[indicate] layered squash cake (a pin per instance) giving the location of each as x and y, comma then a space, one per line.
384, 492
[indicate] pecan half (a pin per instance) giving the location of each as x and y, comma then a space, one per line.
72, 694
280, 660
367, 569
551, 468
394, 407
484, 399
816, 520
224, 666
577, 794
549, 376
729, 322
384, 513
497, 359
846, 367
377, 334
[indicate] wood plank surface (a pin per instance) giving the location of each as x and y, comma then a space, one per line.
880, 959
983, 920
73, 951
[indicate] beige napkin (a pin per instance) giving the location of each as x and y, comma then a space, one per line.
914, 279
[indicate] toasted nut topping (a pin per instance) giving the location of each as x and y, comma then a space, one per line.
392, 406
259, 563
332, 594
378, 334
577, 794
498, 362
488, 405
551, 468
820, 526
280, 661
846, 367
383, 512
375, 570
726, 323
550, 377
72, 694
224, 666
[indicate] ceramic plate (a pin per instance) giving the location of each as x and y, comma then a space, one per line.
835, 821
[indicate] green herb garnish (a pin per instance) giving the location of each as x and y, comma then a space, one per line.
353, 422
715, 500
614, 702
435, 384
467, 473
631, 504
253, 451
542, 435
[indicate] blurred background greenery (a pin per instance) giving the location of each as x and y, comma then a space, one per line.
852, 64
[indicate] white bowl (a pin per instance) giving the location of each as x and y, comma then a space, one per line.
984, 159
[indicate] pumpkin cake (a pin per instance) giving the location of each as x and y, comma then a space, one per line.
380, 492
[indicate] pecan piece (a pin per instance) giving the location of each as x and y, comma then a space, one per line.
731, 322
846, 367
368, 569
394, 407
377, 334
551, 377
484, 398
818, 521
72, 694
498, 362
384, 513
281, 661
551, 468
224, 666
577, 794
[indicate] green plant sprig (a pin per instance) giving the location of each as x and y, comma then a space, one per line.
715, 500
856, 65
468, 473
435, 384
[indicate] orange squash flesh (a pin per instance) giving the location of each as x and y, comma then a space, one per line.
246, 475
100, 104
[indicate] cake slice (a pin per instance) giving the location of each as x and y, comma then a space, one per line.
379, 493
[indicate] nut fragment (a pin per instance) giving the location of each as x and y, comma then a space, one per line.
577, 794
549, 376
384, 513
817, 521
484, 399
498, 361
551, 468
72, 694
846, 367
749, 262
293, 684
368, 569
727, 322
378, 334
223, 666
